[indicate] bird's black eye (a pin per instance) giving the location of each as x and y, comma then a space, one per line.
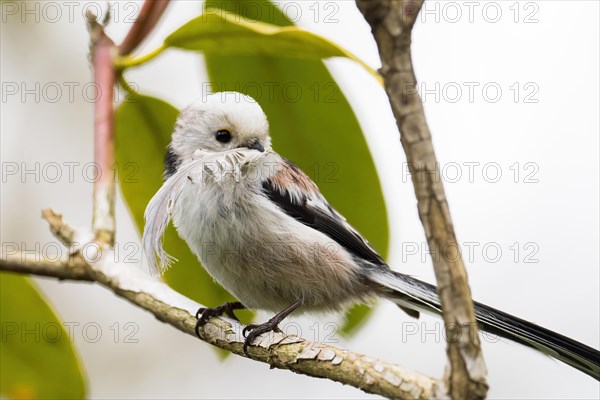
223, 135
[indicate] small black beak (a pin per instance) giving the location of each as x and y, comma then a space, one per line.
257, 145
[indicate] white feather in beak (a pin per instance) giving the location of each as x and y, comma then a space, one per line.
204, 167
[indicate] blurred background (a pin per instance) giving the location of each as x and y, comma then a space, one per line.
511, 93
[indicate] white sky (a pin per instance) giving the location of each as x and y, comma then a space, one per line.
546, 199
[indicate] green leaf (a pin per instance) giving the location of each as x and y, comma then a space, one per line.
143, 130
222, 33
313, 125
37, 359
354, 319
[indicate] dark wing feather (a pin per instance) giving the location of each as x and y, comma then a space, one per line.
297, 195
171, 163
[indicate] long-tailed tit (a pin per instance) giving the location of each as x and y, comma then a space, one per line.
262, 229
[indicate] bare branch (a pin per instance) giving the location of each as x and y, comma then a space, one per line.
276, 349
37, 265
63, 232
391, 22
147, 19
102, 50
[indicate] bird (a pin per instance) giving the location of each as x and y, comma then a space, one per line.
263, 230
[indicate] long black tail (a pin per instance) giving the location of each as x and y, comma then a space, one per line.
411, 293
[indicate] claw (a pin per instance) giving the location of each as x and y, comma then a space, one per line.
200, 311
252, 331
248, 328
197, 328
204, 314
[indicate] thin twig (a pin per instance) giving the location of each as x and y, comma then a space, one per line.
147, 19
103, 54
276, 349
102, 51
391, 22
36, 264
62, 232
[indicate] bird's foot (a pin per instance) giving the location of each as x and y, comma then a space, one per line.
252, 331
204, 314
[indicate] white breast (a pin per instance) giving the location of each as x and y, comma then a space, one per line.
263, 257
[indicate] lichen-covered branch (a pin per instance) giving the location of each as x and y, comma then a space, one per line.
391, 22
276, 349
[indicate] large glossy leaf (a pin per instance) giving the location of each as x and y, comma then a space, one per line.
37, 360
220, 32
143, 131
312, 124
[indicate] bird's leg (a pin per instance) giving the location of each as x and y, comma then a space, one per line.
204, 314
252, 331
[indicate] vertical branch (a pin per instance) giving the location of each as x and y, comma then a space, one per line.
103, 52
391, 22
102, 49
